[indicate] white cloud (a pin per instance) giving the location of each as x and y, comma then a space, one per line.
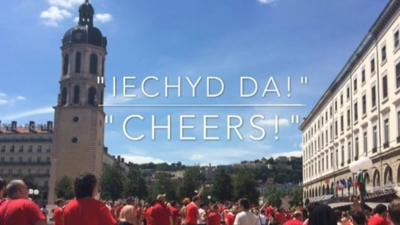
141, 159
103, 17
29, 113
271, 122
54, 15
65, 3
7, 100
21, 98
267, 2
197, 157
76, 19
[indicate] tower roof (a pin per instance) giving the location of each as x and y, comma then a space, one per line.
85, 32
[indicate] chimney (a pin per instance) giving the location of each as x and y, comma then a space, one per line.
49, 126
31, 126
14, 126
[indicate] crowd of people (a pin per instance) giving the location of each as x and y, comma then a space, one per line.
17, 209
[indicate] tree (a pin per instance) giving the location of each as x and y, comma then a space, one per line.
112, 182
164, 185
64, 189
274, 197
296, 195
223, 187
245, 186
191, 181
135, 184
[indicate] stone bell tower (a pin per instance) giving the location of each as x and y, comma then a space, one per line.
79, 119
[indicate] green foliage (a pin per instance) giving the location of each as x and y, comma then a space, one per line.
111, 182
296, 197
223, 187
192, 180
135, 184
164, 185
274, 197
64, 188
245, 186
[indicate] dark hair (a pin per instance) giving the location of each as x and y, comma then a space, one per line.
84, 185
358, 217
380, 209
322, 215
195, 198
244, 203
3, 184
394, 211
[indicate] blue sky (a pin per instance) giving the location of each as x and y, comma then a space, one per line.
225, 38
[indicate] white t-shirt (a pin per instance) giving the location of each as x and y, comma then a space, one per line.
263, 219
202, 216
246, 218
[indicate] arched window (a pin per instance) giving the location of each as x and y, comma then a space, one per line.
376, 179
76, 94
64, 96
65, 64
93, 63
388, 176
92, 96
78, 62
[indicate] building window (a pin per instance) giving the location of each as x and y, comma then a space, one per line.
64, 96
383, 52
364, 104
335, 106
76, 94
341, 123
355, 112
30, 148
65, 64
92, 96
365, 142
337, 158
356, 148
396, 39
348, 118
384, 87
348, 93
78, 59
39, 148
363, 76
386, 133
397, 75
12, 148
341, 100
349, 152
372, 65
342, 156
373, 96
355, 84
374, 139
93, 63
398, 126
21, 148
336, 129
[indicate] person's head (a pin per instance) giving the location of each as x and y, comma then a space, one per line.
298, 215
85, 186
17, 189
322, 215
381, 210
394, 211
59, 202
244, 204
161, 198
3, 185
185, 201
358, 218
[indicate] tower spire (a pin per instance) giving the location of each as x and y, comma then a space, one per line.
86, 13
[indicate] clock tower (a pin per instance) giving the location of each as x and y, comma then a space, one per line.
78, 142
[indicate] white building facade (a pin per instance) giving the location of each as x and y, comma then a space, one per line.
358, 116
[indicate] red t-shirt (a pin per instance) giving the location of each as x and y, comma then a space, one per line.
213, 218
377, 220
58, 216
160, 214
175, 214
20, 211
293, 222
229, 218
87, 211
147, 215
192, 212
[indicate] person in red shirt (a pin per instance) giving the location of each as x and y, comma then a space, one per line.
3, 185
147, 214
160, 214
379, 217
297, 218
58, 216
213, 218
84, 209
192, 211
18, 209
176, 216
230, 215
